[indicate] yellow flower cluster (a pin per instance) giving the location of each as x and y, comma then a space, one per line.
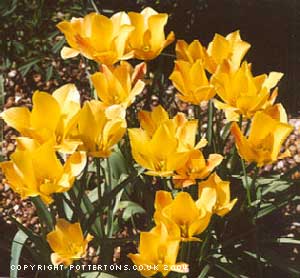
180, 219
59, 132
167, 146
218, 71
120, 37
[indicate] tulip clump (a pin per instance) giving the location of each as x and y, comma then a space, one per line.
177, 162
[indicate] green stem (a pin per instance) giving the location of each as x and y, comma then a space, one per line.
248, 190
256, 234
110, 209
98, 174
210, 122
206, 241
241, 122
95, 7
247, 127
197, 116
252, 186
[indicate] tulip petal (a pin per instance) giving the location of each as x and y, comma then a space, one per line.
68, 52
17, 117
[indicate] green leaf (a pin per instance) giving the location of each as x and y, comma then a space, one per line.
287, 240
277, 260
10, 9
118, 166
18, 46
204, 271
108, 197
49, 73
58, 45
26, 67
16, 249
270, 207
43, 212
130, 208
226, 268
226, 130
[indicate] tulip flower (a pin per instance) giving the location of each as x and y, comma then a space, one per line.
150, 121
178, 137
196, 168
157, 253
97, 37
231, 49
35, 170
191, 82
116, 85
191, 52
100, 128
265, 138
184, 130
52, 117
242, 93
67, 242
183, 217
158, 154
148, 38
214, 194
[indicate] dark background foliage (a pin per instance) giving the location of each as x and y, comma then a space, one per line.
30, 40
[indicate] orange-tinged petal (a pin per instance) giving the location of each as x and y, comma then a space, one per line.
243, 146
162, 199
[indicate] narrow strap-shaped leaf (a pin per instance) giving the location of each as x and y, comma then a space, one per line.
16, 249
43, 212
204, 271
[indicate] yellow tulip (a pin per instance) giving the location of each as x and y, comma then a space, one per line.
214, 194
118, 85
191, 81
191, 52
67, 242
52, 117
178, 137
231, 49
150, 121
196, 168
265, 139
242, 93
97, 37
158, 154
184, 130
100, 127
35, 170
157, 253
183, 217
148, 38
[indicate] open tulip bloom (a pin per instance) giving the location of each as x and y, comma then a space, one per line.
67, 242
52, 117
265, 139
35, 170
97, 37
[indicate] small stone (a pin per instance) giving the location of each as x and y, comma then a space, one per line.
16, 207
